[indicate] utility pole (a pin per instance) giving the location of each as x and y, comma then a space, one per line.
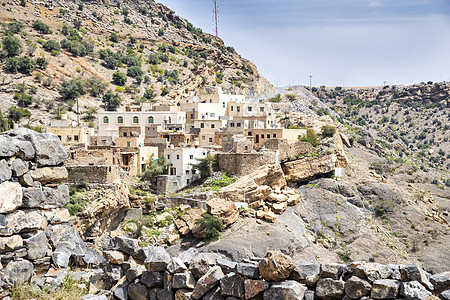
78, 114
384, 83
216, 18
310, 81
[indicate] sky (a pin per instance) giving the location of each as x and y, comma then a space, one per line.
337, 42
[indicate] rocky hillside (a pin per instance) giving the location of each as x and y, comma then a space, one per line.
56, 52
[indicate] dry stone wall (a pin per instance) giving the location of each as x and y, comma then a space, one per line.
34, 233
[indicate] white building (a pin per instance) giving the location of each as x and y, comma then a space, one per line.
180, 173
109, 122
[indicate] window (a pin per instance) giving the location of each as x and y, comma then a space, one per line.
128, 144
125, 134
178, 156
59, 137
268, 136
262, 136
274, 135
151, 120
105, 120
75, 137
223, 103
120, 120
188, 181
261, 109
210, 100
231, 124
202, 125
249, 133
135, 120
232, 108
170, 120
249, 108
203, 137
210, 140
69, 138
238, 108
168, 156
238, 124
192, 116
191, 156
212, 115
213, 126
187, 172
174, 183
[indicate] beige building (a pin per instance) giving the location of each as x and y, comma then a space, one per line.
262, 135
71, 135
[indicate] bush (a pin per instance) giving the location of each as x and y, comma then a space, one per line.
134, 72
119, 78
52, 45
77, 48
211, 225
70, 90
12, 45
41, 62
26, 64
41, 27
310, 137
12, 64
114, 37
112, 101
153, 169
110, 62
15, 27
17, 113
149, 94
206, 165
328, 131
275, 99
164, 91
96, 86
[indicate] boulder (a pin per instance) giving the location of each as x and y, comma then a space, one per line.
56, 198
200, 264
10, 243
25, 150
124, 244
213, 294
18, 272
114, 257
412, 272
441, 281
137, 291
176, 265
49, 174
11, 196
232, 285
306, 168
134, 272
19, 167
36, 246
277, 198
253, 288
49, 149
152, 279
183, 281
304, 269
373, 271
445, 295
56, 215
227, 265
287, 290
413, 290
223, 209
355, 288
248, 270
276, 266
333, 271
279, 208
187, 221
183, 295
207, 282
157, 260
5, 171
33, 196
26, 180
328, 289
385, 289
20, 221
7, 147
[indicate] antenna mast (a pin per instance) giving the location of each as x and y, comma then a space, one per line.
216, 18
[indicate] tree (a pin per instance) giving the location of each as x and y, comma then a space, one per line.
90, 114
164, 91
41, 62
114, 37
52, 45
206, 165
12, 45
26, 64
15, 114
134, 72
72, 89
328, 131
211, 225
41, 27
112, 101
149, 94
15, 27
154, 168
96, 86
119, 78
310, 137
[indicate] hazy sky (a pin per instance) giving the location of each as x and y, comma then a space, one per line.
338, 42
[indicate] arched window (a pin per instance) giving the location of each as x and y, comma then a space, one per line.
119, 120
135, 120
151, 120
105, 120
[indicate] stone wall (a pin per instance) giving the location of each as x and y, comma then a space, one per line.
241, 164
289, 150
155, 274
34, 233
93, 174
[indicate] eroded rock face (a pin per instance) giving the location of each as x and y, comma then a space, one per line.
308, 167
224, 210
276, 266
10, 196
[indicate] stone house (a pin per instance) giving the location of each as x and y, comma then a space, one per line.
262, 135
70, 135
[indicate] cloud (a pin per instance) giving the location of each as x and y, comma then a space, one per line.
375, 4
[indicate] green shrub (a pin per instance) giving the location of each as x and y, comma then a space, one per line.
153, 169
41, 62
70, 90
119, 78
206, 165
328, 131
51, 45
15, 114
12, 64
164, 91
291, 97
114, 37
134, 72
41, 27
211, 225
26, 64
12, 45
275, 99
15, 27
112, 101
310, 137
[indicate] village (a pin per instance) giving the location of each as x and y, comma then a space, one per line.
243, 133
